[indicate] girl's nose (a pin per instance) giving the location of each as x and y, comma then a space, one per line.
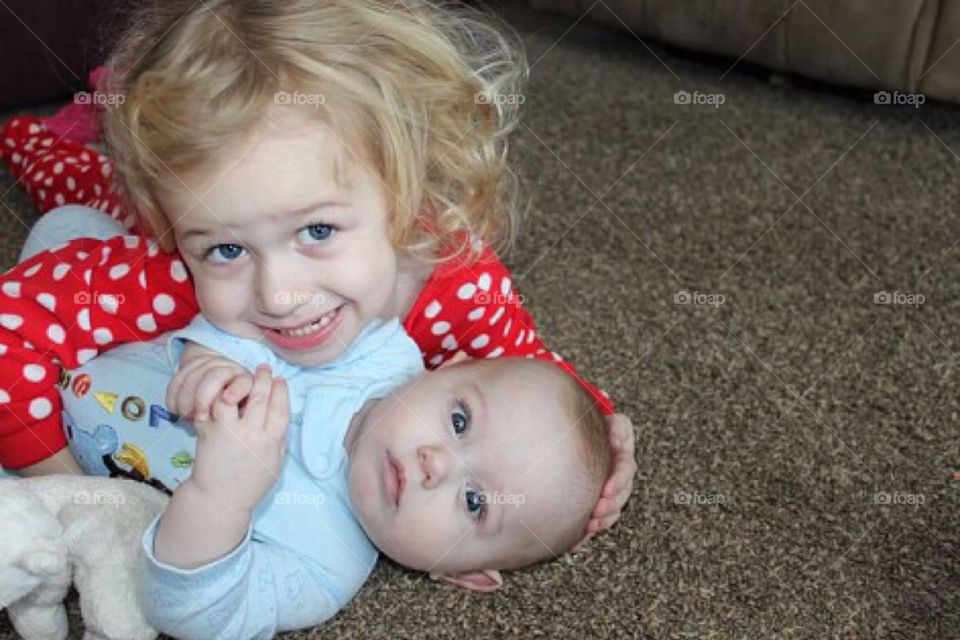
275, 296
434, 464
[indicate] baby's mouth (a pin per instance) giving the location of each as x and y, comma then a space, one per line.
396, 479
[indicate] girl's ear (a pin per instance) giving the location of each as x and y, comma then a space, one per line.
484, 581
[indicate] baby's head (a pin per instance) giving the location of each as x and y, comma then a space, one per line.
478, 467
297, 152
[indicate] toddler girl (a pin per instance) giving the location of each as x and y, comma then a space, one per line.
300, 168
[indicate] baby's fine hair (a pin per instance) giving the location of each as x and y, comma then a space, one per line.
424, 92
589, 427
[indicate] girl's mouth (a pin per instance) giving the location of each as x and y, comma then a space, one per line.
306, 336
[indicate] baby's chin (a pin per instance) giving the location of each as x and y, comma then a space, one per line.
406, 557
388, 545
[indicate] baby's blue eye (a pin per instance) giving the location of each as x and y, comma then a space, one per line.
225, 252
460, 419
476, 503
314, 233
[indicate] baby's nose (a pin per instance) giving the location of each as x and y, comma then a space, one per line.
434, 464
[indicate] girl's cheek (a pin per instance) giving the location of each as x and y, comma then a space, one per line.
373, 274
217, 300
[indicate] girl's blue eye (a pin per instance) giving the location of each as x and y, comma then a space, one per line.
225, 252
314, 233
476, 503
460, 419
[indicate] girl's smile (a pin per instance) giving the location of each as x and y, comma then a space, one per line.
302, 264
306, 335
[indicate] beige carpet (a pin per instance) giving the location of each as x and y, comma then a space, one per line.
786, 435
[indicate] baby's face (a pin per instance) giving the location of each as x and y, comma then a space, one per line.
466, 466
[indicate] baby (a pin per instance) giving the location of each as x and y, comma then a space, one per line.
462, 472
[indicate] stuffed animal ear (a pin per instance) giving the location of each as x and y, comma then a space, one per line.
44, 563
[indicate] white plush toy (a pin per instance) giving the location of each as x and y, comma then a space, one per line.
59, 529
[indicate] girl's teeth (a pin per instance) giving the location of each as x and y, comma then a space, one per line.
310, 328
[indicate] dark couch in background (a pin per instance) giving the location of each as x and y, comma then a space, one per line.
905, 45
68, 36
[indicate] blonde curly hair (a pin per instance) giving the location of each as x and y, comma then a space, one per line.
430, 91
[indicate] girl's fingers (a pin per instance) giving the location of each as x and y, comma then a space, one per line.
224, 412
616, 482
182, 389
609, 521
179, 396
186, 399
209, 389
582, 545
602, 509
619, 485
173, 390
622, 441
238, 389
278, 410
255, 411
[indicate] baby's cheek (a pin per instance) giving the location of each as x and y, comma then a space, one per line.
363, 485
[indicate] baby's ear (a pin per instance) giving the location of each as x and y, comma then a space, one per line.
484, 581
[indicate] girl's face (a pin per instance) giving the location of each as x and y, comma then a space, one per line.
278, 250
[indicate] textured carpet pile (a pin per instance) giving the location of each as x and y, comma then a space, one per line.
796, 439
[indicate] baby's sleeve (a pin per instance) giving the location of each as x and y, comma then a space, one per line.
255, 591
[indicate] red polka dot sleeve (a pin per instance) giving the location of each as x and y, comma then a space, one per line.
474, 308
64, 306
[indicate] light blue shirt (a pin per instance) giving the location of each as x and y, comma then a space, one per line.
304, 555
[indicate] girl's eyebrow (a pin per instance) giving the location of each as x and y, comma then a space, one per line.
299, 212
322, 204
